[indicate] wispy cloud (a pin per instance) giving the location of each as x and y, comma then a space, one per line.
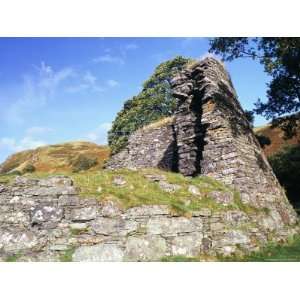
87, 82
108, 58
99, 134
119, 57
112, 83
37, 89
33, 138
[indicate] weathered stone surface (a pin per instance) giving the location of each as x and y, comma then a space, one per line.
171, 226
232, 237
208, 134
108, 226
155, 177
84, 214
146, 248
43, 227
78, 226
168, 187
194, 190
49, 214
187, 245
147, 210
16, 241
119, 181
222, 197
98, 253
110, 209
59, 247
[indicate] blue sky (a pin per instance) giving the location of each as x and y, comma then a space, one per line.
54, 90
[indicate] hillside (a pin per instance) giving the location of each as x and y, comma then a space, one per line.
276, 136
57, 158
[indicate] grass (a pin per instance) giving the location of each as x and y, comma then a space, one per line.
13, 258
56, 158
139, 190
289, 252
179, 258
67, 255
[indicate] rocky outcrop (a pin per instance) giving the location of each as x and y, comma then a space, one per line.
46, 220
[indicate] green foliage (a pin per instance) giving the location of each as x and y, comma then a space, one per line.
179, 258
286, 166
154, 102
29, 169
13, 258
281, 60
83, 163
67, 256
138, 190
289, 252
263, 140
250, 116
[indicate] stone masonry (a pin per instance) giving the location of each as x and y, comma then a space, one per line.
209, 135
45, 220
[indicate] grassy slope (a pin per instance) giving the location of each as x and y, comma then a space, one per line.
139, 190
276, 135
55, 158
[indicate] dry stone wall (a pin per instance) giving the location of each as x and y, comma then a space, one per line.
46, 220
211, 136
148, 147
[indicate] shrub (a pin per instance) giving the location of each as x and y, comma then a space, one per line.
153, 103
29, 169
83, 163
286, 166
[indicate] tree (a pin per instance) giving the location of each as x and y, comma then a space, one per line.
286, 166
281, 60
154, 102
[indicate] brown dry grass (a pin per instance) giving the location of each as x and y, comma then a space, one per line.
276, 135
56, 158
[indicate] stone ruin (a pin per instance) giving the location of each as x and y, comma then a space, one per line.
210, 135
46, 220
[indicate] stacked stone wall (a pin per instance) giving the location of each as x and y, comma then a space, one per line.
148, 147
46, 220
211, 136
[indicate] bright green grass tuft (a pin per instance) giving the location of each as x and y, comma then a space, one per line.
13, 258
179, 258
289, 252
67, 256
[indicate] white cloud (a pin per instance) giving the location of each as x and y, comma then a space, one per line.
89, 78
37, 89
99, 134
87, 82
30, 140
112, 83
25, 143
107, 58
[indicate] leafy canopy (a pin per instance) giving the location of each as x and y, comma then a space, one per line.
154, 102
286, 166
281, 60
